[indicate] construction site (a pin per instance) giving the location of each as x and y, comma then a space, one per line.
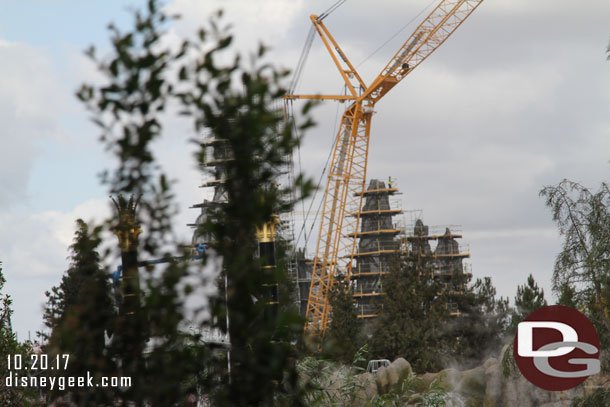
386, 231
285, 228
362, 227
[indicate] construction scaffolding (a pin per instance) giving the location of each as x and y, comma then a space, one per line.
377, 244
304, 267
219, 154
383, 235
446, 257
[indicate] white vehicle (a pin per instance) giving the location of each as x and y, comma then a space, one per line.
374, 365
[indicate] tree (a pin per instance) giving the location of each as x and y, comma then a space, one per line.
573, 215
80, 314
410, 316
344, 331
143, 78
10, 347
582, 267
481, 328
259, 145
567, 296
528, 299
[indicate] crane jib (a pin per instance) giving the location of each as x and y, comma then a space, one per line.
340, 215
401, 58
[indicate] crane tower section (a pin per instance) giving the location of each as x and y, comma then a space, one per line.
338, 232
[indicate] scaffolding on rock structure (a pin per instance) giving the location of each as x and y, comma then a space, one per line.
377, 244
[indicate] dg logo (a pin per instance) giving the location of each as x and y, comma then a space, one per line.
556, 348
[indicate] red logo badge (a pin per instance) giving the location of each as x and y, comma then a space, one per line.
556, 348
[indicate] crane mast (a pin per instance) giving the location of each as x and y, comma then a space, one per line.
347, 175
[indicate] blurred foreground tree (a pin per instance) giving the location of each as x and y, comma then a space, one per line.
240, 107
144, 77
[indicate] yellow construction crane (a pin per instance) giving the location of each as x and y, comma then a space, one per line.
347, 174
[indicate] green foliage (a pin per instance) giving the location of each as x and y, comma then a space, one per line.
127, 108
410, 316
344, 336
581, 275
10, 346
567, 296
138, 86
414, 322
412, 392
435, 395
80, 315
361, 358
599, 398
144, 77
481, 329
528, 299
238, 106
509, 366
328, 383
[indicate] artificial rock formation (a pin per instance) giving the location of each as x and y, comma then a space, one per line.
486, 386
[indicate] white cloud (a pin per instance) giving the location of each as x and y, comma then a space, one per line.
34, 251
37, 244
515, 100
30, 104
275, 16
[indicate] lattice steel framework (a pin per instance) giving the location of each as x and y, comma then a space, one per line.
346, 179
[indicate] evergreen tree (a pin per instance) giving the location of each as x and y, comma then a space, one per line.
410, 316
481, 328
262, 358
413, 319
235, 104
80, 315
528, 299
567, 296
344, 334
10, 347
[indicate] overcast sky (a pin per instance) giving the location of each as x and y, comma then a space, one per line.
515, 100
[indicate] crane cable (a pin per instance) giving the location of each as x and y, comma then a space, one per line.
313, 199
331, 9
296, 78
404, 27
298, 71
294, 83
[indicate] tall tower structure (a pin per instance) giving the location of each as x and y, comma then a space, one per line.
127, 230
446, 258
304, 267
377, 244
218, 153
